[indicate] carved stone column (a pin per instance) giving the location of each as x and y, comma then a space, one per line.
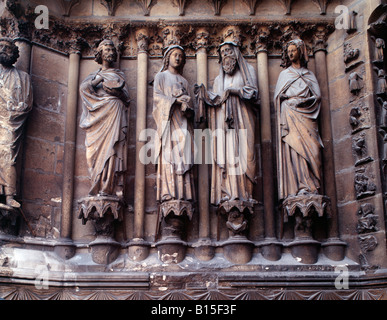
138, 248
203, 248
334, 248
66, 248
271, 248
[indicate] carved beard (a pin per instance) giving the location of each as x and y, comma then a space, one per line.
110, 58
6, 60
229, 64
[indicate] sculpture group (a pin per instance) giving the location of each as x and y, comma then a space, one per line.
231, 110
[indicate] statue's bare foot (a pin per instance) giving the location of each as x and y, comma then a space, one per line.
13, 203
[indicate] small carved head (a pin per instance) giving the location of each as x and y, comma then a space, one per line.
9, 52
179, 65
111, 56
302, 53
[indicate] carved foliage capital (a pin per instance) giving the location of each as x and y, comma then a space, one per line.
202, 39
142, 39
320, 39
261, 38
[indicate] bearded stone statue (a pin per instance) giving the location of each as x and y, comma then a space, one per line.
15, 104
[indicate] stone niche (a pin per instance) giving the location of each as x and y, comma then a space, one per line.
237, 251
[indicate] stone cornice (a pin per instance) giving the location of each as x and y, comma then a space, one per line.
76, 34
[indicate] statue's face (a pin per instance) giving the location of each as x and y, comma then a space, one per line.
6, 53
229, 59
293, 53
176, 58
109, 53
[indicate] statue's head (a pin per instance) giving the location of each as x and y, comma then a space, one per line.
106, 51
295, 50
174, 56
9, 52
228, 57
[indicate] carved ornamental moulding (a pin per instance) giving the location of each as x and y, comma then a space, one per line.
67, 33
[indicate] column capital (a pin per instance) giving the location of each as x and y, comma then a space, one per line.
171, 35
76, 46
202, 39
320, 39
142, 39
261, 39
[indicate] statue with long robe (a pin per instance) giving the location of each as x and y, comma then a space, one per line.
105, 97
297, 104
15, 105
233, 105
173, 114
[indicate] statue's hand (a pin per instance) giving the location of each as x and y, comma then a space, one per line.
97, 80
183, 99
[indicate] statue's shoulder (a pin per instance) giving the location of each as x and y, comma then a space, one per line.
23, 75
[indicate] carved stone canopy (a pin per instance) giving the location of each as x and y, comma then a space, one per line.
95, 207
241, 206
306, 204
177, 208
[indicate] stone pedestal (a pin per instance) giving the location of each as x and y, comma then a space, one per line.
237, 248
103, 211
271, 249
175, 215
305, 209
138, 249
204, 250
334, 249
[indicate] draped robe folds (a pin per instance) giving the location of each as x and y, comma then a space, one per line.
105, 121
232, 125
174, 145
15, 104
298, 141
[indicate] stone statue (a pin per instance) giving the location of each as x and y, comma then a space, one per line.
297, 102
15, 104
379, 49
231, 113
232, 105
173, 114
105, 97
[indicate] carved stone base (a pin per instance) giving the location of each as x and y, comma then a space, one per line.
238, 215
304, 208
171, 250
334, 249
65, 249
271, 249
204, 250
138, 249
103, 211
305, 250
104, 250
175, 215
238, 249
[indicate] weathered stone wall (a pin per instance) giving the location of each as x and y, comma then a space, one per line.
342, 101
